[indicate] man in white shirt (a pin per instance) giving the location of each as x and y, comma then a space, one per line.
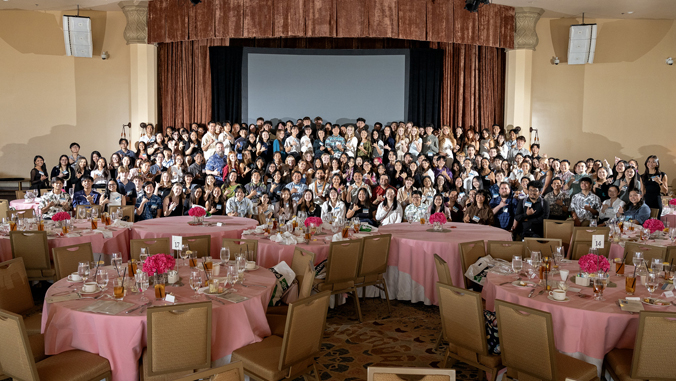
319, 187
209, 141
520, 142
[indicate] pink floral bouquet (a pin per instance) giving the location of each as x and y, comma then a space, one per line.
197, 211
438, 217
60, 216
316, 221
672, 202
158, 263
591, 263
654, 225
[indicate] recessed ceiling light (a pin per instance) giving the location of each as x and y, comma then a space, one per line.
630, 12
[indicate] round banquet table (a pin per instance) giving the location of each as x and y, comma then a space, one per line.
670, 218
121, 338
119, 242
583, 327
617, 248
232, 227
21, 204
411, 273
271, 253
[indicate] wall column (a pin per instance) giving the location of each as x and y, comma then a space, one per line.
143, 65
519, 70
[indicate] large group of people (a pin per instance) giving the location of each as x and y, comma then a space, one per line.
381, 174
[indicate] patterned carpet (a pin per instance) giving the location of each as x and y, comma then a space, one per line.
404, 338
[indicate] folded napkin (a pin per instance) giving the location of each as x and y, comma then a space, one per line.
122, 224
285, 238
260, 229
338, 237
106, 233
73, 235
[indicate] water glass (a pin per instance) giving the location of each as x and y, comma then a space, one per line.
599, 285
83, 270
142, 282
116, 261
102, 279
225, 254
517, 263
638, 258
241, 266
230, 275
184, 253
195, 282
651, 283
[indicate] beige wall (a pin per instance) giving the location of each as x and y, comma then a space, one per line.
48, 100
624, 104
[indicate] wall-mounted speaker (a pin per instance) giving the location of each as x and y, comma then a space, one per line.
581, 44
77, 34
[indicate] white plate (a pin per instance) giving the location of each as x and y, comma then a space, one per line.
254, 269
73, 281
527, 284
83, 292
567, 299
666, 302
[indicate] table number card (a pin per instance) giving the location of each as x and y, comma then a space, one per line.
176, 242
597, 241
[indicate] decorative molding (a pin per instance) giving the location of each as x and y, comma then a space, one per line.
525, 36
136, 12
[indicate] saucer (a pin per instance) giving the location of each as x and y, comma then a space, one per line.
73, 281
253, 269
526, 284
567, 299
83, 292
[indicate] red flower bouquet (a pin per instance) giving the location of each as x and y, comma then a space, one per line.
60, 216
197, 211
654, 225
316, 221
438, 217
158, 264
591, 263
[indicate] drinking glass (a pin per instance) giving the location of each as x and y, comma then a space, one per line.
192, 258
651, 283
517, 263
208, 263
95, 213
536, 258
672, 234
82, 213
142, 282
241, 266
409, 218
71, 192
118, 288
638, 258
225, 254
195, 282
83, 270
184, 253
102, 279
599, 285
630, 284
116, 261
230, 276
656, 265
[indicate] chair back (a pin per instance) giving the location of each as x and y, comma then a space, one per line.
655, 340
443, 272
581, 248
462, 318
15, 291
20, 194
526, 340
376, 252
44, 191
127, 211
543, 245
4, 207
562, 230
235, 245
201, 243
67, 258
306, 280
32, 246
377, 373
231, 372
342, 265
179, 338
506, 249
654, 213
587, 233
470, 252
671, 254
87, 208
305, 324
152, 245
25, 213
16, 356
649, 252
301, 260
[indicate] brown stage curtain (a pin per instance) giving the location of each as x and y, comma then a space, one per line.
472, 95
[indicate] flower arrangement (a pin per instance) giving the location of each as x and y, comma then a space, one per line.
197, 211
316, 221
591, 263
438, 217
158, 264
672, 202
60, 216
654, 225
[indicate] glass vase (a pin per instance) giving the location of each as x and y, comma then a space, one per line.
159, 281
437, 227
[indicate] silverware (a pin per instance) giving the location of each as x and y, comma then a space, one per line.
134, 309
620, 305
253, 285
215, 299
145, 306
531, 293
510, 281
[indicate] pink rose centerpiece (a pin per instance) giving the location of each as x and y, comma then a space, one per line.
437, 220
672, 202
197, 213
158, 264
593, 263
654, 225
61, 216
316, 221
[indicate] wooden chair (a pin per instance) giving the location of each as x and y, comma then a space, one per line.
276, 315
649, 252
655, 213
376, 252
342, 268
44, 191
562, 230
4, 207
199, 243
470, 252
303, 266
543, 245
16, 359
16, 295
127, 211
652, 356
179, 341
67, 258
296, 352
231, 372
527, 346
462, 322
671, 254
25, 213
237, 245
444, 275
20, 194
587, 233
506, 249
32, 246
87, 208
581, 248
152, 245
377, 373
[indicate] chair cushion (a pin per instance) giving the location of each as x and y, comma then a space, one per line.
277, 324
37, 344
72, 365
144, 370
619, 361
262, 359
34, 273
33, 324
578, 370
48, 272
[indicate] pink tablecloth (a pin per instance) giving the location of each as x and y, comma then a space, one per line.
119, 243
581, 326
21, 204
271, 253
412, 274
122, 338
232, 227
670, 218
617, 249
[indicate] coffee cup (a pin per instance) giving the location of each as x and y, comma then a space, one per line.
558, 294
250, 265
90, 287
75, 277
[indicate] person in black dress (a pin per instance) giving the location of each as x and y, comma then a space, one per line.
655, 183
